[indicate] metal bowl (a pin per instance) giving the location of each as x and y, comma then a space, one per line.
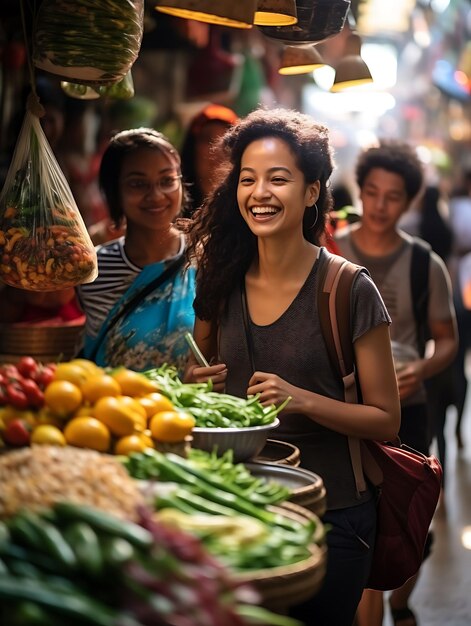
245, 443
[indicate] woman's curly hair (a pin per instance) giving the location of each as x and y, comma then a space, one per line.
218, 236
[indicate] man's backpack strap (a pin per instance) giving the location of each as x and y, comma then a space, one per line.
419, 282
335, 283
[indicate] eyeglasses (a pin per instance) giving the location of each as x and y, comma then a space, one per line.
141, 186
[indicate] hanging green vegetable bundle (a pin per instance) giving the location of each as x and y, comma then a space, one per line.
88, 41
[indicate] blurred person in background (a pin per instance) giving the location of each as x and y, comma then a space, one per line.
389, 177
141, 304
429, 221
460, 221
199, 150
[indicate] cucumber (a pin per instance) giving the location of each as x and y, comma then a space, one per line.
117, 551
84, 542
80, 608
105, 523
52, 542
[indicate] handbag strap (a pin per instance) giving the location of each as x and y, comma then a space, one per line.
131, 304
245, 318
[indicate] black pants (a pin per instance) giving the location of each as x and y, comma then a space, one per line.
350, 543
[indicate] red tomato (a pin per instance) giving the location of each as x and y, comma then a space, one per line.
27, 366
33, 393
10, 372
44, 376
16, 396
17, 433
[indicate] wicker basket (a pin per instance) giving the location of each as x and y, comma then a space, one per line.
287, 585
44, 343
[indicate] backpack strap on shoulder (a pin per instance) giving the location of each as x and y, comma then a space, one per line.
419, 283
334, 307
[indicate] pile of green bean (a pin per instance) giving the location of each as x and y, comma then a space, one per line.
210, 408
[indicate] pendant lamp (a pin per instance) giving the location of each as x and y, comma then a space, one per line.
351, 71
275, 13
300, 60
317, 20
235, 13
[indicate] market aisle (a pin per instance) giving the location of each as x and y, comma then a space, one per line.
443, 594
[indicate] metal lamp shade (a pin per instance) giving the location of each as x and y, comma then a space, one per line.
317, 20
275, 13
237, 14
351, 71
300, 60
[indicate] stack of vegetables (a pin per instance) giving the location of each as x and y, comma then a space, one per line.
66, 561
80, 404
226, 507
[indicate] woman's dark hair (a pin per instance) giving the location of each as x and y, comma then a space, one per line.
393, 156
120, 145
219, 236
433, 226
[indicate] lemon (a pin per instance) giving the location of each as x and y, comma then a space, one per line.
87, 432
48, 434
62, 397
99, 385
171, 426
133, 443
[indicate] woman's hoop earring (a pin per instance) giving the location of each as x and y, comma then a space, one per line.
317, 215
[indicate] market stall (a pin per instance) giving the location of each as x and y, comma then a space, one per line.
76, 438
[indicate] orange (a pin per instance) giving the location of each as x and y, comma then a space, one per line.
62, 397
116, 415
154, 403
99, 385
71, 372
171, 426
89, 366
87, 432
48, 434
133, 383
139, 414
133, 443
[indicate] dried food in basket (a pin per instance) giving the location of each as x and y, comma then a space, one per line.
44, 244
88, 41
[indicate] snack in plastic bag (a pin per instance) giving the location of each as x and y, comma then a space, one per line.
44, 244
88, 41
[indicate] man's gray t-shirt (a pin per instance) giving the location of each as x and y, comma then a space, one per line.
391, 274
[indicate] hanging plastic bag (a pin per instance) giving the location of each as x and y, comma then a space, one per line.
44, 244
88, 41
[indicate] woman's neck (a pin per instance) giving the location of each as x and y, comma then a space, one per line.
146, 247
290, 261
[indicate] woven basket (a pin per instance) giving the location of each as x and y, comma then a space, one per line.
44, 343
287, 585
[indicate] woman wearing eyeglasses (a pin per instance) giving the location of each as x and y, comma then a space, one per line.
140, 306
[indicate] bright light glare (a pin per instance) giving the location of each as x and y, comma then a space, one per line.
466, 537
369, 103
324, 77
382, 61
439, 5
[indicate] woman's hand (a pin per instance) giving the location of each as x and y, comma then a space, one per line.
409, 378
275, 390
216, 373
